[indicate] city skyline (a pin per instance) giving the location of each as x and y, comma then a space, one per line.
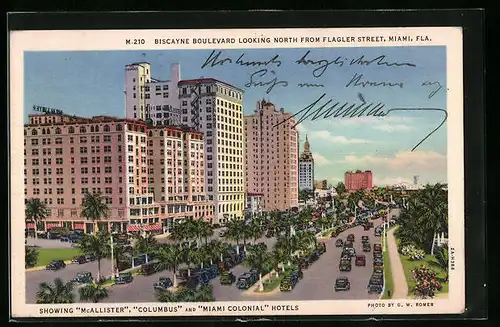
96, 82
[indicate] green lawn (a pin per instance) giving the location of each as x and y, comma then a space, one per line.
269, 284
389, 283
45, 256
409, 265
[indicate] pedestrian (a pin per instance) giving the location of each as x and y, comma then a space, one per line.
389, 293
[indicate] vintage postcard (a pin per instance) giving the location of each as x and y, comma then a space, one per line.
248, 172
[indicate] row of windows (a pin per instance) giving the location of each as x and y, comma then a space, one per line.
71, 130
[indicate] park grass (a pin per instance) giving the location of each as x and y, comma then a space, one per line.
270, 284
45, 256
410, 265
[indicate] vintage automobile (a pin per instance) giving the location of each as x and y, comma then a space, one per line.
375, 285
193, 282
124, 278
360, 260
349, 252
342, 284
79, 259
348, 244
367, 247
245, 281
288, 282
366, 227
365, 239
378, 271
90, 258
55, 265
182, 274
149, 268
304, 262
377, 255
377, 263
339, 243
350, 237
227, 278
378, 233
163, 284
83, 277
377, 247
345, 265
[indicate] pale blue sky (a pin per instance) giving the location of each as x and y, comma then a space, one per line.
92, 82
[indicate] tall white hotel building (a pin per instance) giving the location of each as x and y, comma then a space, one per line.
214, 108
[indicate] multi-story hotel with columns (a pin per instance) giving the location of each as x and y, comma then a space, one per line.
66, 156
271, 157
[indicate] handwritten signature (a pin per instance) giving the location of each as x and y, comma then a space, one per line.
214, 60
363, 109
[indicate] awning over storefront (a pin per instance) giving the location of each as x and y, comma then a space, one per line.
79, 226
30, 225
52, 225
147, 228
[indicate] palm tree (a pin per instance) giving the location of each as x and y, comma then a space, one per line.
97, 245
30, 256
442, 261
59, 292
190, 255
169, 257
340, 189
255, 231
280, 256
219, 248
94, 209
145, 245
36, 211
122, 256
234, 232
207, 230
93, 292
167, 296
256, 259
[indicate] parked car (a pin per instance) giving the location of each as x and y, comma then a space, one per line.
377, 247
288, 283
377, 263
227, 278
377, 255
378, 233
365, 239
321, 248
367, 247
345, 265
55, 265
378, 271
348, 244
375, 285
64, 239
366, 227
342, 284
79, 259
349, 252
304, 262
149, 269
350, 237
245, 281
83, 277
339, 243
124, 278
163, 284
90, 258
360, 260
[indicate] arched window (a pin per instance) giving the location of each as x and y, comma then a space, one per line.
97, 128
106, 128
119, 127
71, 130
34, 132
150, 134
58, 130
43, 131
25, 132
92, 129
142, 129
83, 130
48, 130
161, 133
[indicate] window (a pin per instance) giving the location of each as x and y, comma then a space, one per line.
83, 130
71, 130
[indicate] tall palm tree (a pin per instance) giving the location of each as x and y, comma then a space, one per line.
97, 245
122, 255
255, 230
442, 262
93, 292
36, 211
59, 292
256, 258
207, 230
94, 208
190, 255
219, 248
280, 256
145, 245
234, 232
169, 257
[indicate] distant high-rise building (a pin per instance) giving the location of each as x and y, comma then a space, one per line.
215, 108
271, 157
150, 98
306, 168
358, 180
415, 179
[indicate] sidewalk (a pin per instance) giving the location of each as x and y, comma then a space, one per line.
398, 275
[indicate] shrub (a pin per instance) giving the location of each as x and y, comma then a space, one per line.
426, 283
412, 252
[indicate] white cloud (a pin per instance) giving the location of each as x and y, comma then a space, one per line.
393, 128
404, 161
320, 160
326, 135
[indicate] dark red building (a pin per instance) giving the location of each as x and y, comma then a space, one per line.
359, 180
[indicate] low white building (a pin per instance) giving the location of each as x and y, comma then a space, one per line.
254, 204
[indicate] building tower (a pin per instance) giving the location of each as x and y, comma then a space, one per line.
306, 168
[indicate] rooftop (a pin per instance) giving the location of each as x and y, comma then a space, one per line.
208, 80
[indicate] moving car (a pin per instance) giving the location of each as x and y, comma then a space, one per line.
365, 239
360, 260
342, 284
245, 281
288, 282
367, 247
55, 265
163, 284
345, 265
377, 247
83, 277
339, 243
350, 237
227, 278
124, 278
79, 259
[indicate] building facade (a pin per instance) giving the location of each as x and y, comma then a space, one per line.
215, 109
321, 184
254, 204
150, 98
306, 168
358, 180
271, 157
68, 156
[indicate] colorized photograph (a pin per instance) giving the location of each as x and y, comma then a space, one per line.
213, 175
